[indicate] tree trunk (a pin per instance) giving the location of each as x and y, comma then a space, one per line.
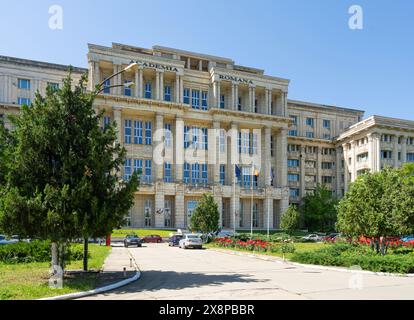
54, 250
85, 254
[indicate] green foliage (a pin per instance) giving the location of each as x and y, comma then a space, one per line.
205, 218
347, 255
379, 204
35, 251
59, 172
290, 220
319, 211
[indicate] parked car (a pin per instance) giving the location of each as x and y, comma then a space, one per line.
175, 240
330, 237
132, 240
312, 237
407, 239
152, 239
11, 240
191, 241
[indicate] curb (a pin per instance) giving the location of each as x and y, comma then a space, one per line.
311, 266
110, 287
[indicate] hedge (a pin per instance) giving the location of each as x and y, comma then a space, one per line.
346, 255
35, 251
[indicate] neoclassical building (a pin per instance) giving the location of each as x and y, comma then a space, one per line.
194, 123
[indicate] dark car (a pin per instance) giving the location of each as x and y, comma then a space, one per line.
152, 239
174, 241
132, 240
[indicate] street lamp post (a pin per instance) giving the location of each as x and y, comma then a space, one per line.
100, 87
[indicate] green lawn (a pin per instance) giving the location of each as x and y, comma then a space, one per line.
30, 281
300, 247
142, 232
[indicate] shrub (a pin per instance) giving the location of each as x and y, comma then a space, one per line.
348, 255
35, 251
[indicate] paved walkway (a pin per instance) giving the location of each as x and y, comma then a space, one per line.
172, 273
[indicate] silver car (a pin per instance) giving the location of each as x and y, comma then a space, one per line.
191, 241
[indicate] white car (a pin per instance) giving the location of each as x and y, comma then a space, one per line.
191, 241
312, 237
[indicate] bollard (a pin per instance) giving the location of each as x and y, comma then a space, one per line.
124, 272
130, 262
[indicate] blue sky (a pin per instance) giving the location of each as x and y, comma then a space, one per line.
308, 42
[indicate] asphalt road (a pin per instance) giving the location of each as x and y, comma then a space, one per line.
175, 274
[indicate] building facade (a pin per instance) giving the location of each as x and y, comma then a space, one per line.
194, 123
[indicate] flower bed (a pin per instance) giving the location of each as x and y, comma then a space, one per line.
255, 245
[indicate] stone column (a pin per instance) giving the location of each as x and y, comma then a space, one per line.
338, 171
284, 104
267, 101
403, 149
214, 151
158, 142
354, 160
157, 85
177, 88
236, 97
319, 165
281, 158
374, 151
268, 210
395, 151
181, 89
346, 166
302, 176
179, 207
161, 95
140, 83
179, 149
267, 155
233, 97
118, 121
234, 160
116, 80
218, 93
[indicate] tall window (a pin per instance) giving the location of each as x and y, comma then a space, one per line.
148, 213
167, 93
195, 138
148, 171
167, 213
256, 109
167, 134
204, 102
23, 84
310, 135
294, 119
222, 101
138, 132
293, 163
106, 86
128, 131
239, 104
53, 85
148, 90
128, 169
127, 90
138, 166
186, 173
255, 215
195, 173
222, 140
310, 122
186, 96
167, 172
205, 138
410, 157
204, 173
106, 122
195, 101
293, 177
246, 142
186, 137
327, 124
254, 143
23, 101
222, 174
246, 171
148, 133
